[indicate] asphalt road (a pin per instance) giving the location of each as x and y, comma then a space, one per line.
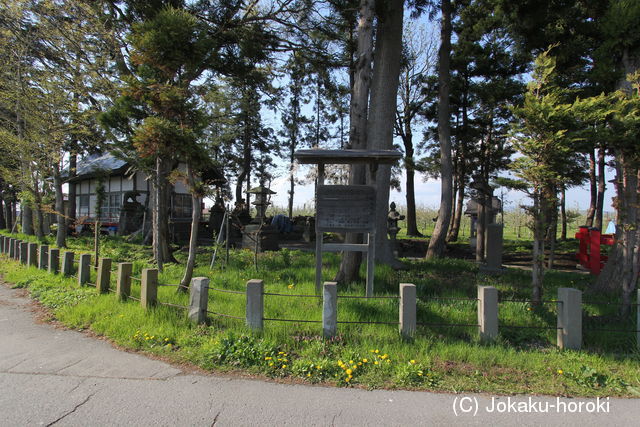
52, 376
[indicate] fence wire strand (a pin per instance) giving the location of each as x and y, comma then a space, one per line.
292, 320
529, 327
168, 304
291, 295
362, 322
133, 298
447, 324
225, 291
225, 315
366, 297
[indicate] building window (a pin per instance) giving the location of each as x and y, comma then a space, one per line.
82, 206
181, 206
111, 208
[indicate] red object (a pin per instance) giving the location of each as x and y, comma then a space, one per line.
589, 255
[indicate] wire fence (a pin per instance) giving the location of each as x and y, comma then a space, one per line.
225, 315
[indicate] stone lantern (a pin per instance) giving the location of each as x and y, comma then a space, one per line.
257, 235
261, 202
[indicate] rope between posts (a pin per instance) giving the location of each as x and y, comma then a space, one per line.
136, 279
292, 320
112, 290
529, 327
357, 322
225, 315
610, 330
225, 291
551, 301
447, 299
168, 304
133, 298
447, 324
366, 297
291, 295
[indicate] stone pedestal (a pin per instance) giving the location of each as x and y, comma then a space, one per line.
267, 238
493, 249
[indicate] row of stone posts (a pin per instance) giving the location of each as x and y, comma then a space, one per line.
569, 322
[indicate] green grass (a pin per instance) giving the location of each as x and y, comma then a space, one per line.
446, 359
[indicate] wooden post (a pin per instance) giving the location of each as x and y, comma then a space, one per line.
329, 309
199, 300
569, 318
407, 310
43, 257
487, 313
123, 284
255, 304
33, 254
54, 261
149, 288
103, 275
84, 269
319, 182
371, 262
67, 263
12, 248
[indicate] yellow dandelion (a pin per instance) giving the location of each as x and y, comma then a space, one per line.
166, 339
271, 364
268, 358
364, 360
349, 371
350, 362
347, 379
377, 351
560, 371
308, 375
375, 363
413, 362
284, 366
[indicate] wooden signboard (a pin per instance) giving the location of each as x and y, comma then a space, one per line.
346, 208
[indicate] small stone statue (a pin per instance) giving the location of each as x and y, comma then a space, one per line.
392, 225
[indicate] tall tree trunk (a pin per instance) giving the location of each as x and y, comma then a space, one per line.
412, 223
3, 221
537, 265
292, 185
27, 220
454, 204
71, 205
563, 213
196, 201
61, 232
480, 226
8, 212
160, 218
358, 113
602, 186
455, 230
382, 112
623, 266
437, 241
593, 188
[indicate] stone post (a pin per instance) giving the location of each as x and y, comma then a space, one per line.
2, 240
84, 269
487, 313
123, 284
17, 247
12, 248
54, 261
67, 263
255, 304
24, 252
43, 257
569, 318
407, 310
33, 254
149, 288
638, 320
493, 248
199, 300
329, 309
103, 275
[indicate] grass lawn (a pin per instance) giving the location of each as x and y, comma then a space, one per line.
523, 360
